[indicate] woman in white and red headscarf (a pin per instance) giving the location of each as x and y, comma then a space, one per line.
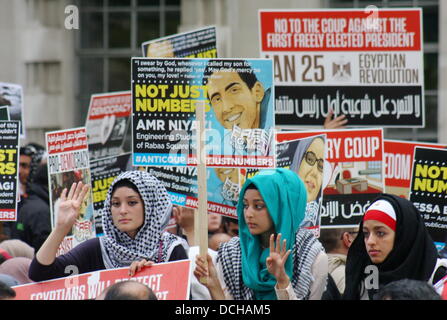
393, 240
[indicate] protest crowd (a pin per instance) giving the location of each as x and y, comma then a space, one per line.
114, 210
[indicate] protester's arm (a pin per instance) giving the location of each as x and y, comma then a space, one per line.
85, 257
209, 274
334, 123
68, 213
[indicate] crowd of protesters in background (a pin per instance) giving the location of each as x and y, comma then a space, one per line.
262, 254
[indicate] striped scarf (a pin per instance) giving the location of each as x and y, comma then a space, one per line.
150, 243
304, 253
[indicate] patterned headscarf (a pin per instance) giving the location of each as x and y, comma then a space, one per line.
150, 243
243, 259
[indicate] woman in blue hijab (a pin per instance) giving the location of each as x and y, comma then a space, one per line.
272, 258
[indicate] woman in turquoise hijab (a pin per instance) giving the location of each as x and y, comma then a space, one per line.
272, 258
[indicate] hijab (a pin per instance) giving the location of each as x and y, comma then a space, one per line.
284, 195
413, 256
150, 243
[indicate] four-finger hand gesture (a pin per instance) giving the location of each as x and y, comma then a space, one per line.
277, 259
70, 205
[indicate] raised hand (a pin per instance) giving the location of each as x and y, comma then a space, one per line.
277, 259
336, 123
69, 208
70, 205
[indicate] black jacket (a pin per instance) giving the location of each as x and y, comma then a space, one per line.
33, 223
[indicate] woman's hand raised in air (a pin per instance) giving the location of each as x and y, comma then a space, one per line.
70, 206
276, 261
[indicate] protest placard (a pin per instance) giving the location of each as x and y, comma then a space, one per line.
68, 163
169, 281
239, 121
353, 173
11, 104
306, 157
428, 190
365, 64
398, 161
4, 113
107, 124
200, 43
9, 169
181, 184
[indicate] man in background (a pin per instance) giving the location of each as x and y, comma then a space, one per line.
336, 242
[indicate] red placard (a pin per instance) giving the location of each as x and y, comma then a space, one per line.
119, 105
66, 140
353, 173
345, 145
341, 30
398, 163
169, 281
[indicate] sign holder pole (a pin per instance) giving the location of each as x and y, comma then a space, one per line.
201, 227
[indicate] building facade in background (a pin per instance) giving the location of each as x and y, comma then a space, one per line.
61, 68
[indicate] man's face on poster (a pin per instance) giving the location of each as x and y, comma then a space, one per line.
234, 103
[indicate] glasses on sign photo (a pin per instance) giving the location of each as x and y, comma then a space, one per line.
311, 159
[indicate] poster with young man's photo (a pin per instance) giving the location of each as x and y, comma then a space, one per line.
237, 96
